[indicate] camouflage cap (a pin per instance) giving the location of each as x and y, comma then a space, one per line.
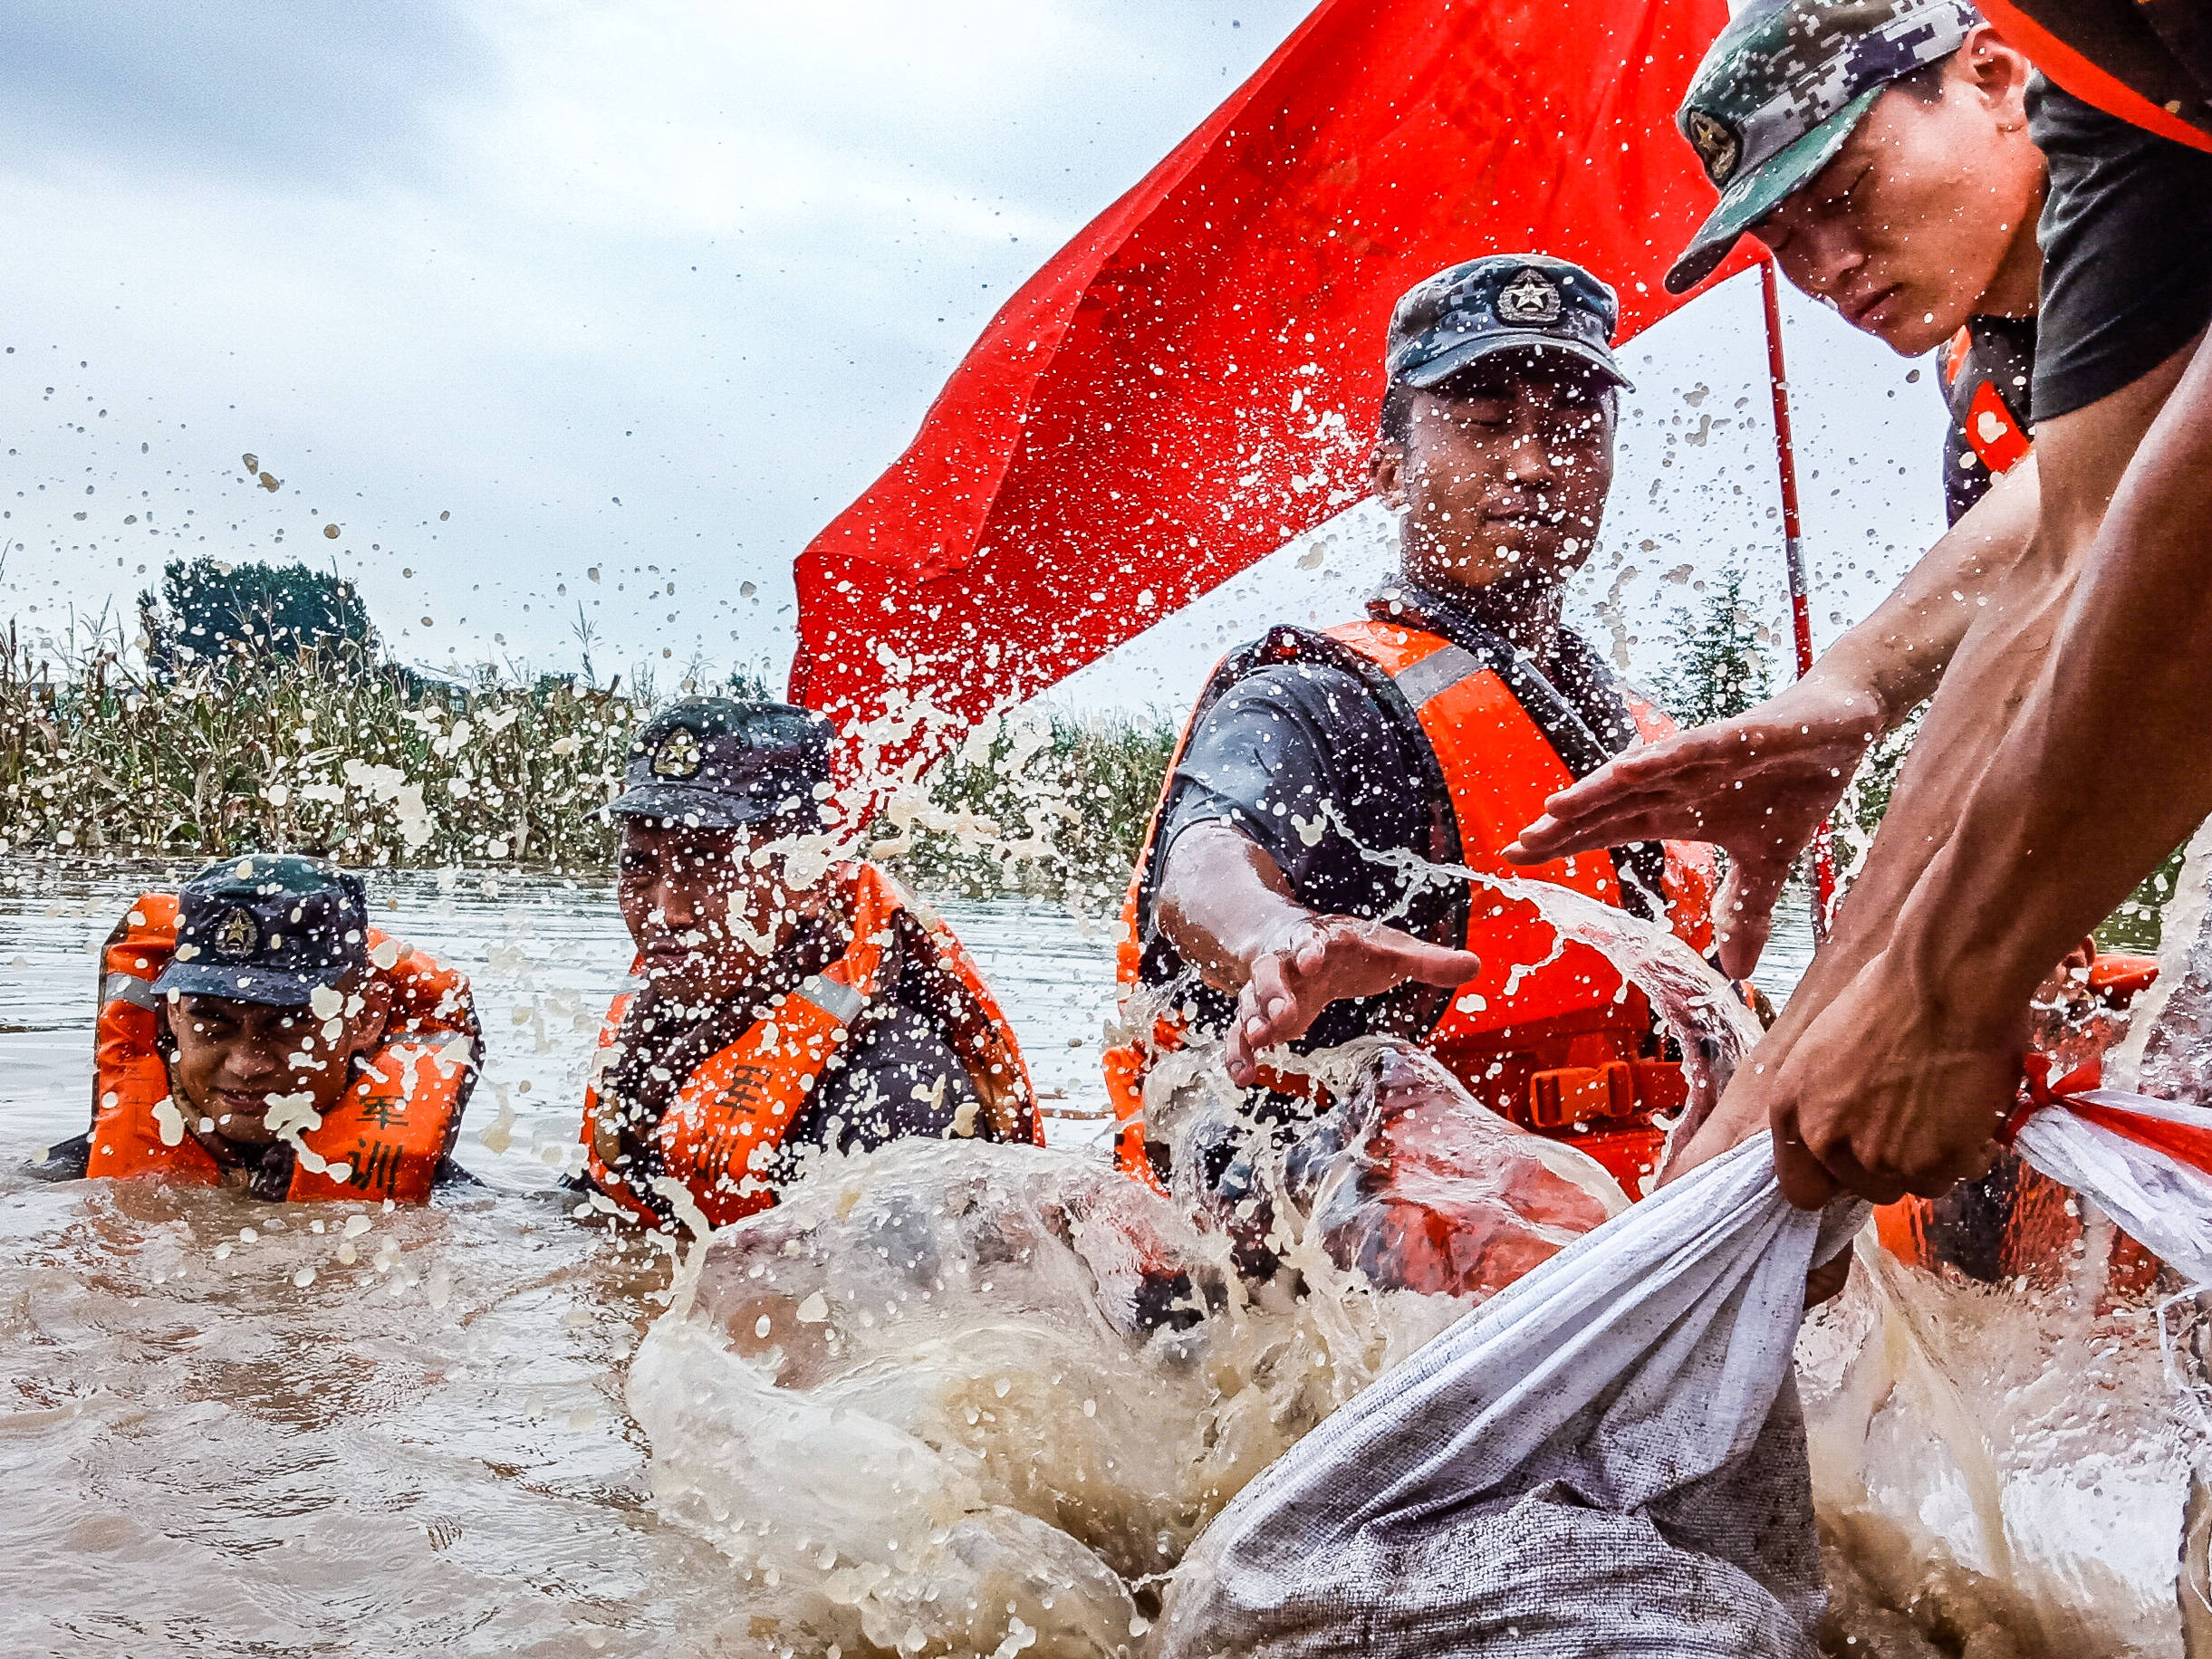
1501, 302
717, 763
1780, 89
270, 929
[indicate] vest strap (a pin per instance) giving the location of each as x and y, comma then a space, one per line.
130, 988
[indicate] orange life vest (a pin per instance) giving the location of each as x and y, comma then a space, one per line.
721, 1135
1568, 1049
1997, 440
384, 1139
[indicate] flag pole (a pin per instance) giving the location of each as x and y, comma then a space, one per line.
1793, 553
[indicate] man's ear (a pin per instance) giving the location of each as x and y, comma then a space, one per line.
1998, 69
1385, 473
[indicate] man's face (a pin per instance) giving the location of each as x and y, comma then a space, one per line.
235, 1060
1926, 213
703, 905
1504, 477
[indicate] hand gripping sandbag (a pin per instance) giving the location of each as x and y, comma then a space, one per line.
1605, 1459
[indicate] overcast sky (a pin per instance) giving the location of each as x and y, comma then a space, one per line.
544, 303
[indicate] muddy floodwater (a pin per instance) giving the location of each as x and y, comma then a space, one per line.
232, 1428
237, 1428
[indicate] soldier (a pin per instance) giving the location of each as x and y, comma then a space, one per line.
2064, 749
1291, 892
783, 1002
1880, 151
254, 1029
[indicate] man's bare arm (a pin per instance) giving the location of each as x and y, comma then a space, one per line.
1759, 785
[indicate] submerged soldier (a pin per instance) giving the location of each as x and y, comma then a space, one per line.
1303, 883
782, 1002
255, 1029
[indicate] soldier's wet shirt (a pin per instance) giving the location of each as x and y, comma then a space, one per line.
896, 1076
1304, 760
2127, 244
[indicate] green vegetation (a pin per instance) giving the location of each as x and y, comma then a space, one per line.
256, 714
323, 750
1719, 668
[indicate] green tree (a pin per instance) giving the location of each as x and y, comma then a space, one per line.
1719, 668
209, 610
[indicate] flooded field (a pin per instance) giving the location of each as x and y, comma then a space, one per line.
233, 1428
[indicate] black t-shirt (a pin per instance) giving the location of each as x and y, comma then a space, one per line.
1998, 353
1304, 759
2126, 251
898, 1076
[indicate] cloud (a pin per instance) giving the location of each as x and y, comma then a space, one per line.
625, 284
306, 93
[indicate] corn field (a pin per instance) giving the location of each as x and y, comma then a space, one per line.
323, 753
1053, 807
331, 753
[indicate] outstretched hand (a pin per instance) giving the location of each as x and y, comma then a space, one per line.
1758, 786
1321, 960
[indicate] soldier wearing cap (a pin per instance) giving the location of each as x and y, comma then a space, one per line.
2064, 721
1880, 149
1303, 883
784, 1001
255, 1029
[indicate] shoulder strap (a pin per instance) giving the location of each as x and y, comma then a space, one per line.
2125, 56
1642, 866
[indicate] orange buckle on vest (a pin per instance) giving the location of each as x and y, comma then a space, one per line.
1618, 1089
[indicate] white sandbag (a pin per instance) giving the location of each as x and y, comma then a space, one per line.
2160, 1200
1606, 1459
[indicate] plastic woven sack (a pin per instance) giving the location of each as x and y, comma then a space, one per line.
1607, 1457
2145, 1162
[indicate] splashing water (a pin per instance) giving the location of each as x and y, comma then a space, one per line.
955, 1399
2017, 1471
211, 1454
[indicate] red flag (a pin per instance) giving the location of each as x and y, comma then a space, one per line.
1194, 379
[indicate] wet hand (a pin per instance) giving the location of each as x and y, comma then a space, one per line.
1884, 1092
1757, 786
1321, 960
